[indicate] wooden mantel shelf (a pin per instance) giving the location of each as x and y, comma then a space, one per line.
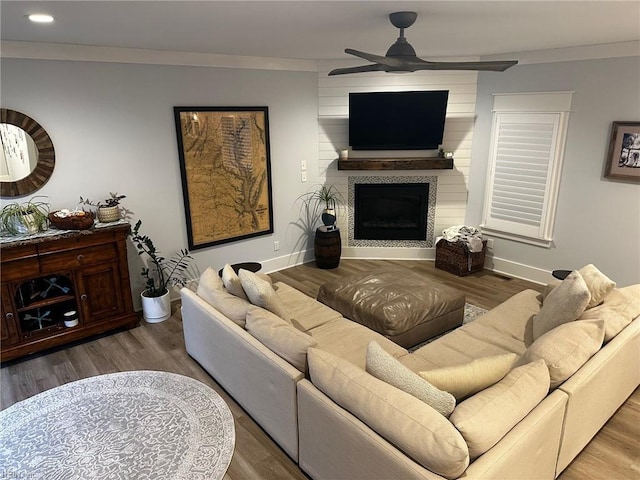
411, 163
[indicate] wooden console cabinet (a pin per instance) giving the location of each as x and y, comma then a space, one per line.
45, 277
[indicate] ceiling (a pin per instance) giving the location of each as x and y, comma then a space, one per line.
320, 30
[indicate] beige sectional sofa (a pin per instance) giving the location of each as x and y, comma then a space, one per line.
319, 417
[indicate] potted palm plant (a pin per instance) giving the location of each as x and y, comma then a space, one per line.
327, 197
108, 209
26, 217
160, 273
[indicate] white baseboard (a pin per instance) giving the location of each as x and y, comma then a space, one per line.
517, 270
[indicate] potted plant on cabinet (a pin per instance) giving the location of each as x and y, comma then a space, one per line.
24, 218
108, 209
159, 274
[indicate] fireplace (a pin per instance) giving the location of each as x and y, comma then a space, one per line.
391, 211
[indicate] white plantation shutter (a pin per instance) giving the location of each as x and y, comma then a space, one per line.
525, 164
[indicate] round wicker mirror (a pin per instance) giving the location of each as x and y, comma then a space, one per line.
46, 157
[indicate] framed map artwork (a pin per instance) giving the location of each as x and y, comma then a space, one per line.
226, 173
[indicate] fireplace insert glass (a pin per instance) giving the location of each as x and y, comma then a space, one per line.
393, 211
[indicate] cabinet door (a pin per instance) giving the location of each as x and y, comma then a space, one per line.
99, 289
8, 331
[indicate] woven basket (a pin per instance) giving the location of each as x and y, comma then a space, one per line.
108, 214
73, 222
454, 257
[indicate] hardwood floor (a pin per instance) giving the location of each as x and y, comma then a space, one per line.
613, 454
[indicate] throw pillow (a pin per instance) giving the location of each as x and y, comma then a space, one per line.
279, 336
387, 368
212, 291
232, 283
599, 284
549, 288
566, 348
469, 378
262, 294
410, 424
565, 303
489, 415
209, 280
618, 310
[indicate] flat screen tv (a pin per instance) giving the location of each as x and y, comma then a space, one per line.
397, 120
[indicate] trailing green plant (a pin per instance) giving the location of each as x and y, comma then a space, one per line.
26, 217
112, 201
161, 272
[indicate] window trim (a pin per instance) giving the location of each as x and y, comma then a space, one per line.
557, 104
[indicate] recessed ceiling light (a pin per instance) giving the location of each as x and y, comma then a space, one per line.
41, 18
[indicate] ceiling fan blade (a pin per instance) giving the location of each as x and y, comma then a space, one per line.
363, 68
388, 61
492, 66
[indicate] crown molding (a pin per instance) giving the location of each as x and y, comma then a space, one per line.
86, 53
570, 54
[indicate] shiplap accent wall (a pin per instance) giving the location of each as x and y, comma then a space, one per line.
333, 110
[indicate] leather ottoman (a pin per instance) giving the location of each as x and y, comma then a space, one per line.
400, 304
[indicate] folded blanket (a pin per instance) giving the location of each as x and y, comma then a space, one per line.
461, 233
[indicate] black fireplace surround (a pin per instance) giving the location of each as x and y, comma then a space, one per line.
391, 211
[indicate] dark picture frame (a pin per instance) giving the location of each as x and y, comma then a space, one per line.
623, 158
225, 165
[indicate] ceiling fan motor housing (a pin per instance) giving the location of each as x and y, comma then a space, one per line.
401, 48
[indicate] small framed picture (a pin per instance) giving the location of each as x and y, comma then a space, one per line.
623, 158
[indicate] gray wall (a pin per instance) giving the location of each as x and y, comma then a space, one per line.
113, 130
597, 220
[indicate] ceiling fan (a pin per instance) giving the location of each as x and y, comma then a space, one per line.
401, 57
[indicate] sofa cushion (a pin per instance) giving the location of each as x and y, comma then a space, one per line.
486, 417
262, 294
469, 378
212, 291
279, 336
387, 368
232, 283
349, 341
618, 310
410, 424
306, 313
566, 348
598, 283
565, 303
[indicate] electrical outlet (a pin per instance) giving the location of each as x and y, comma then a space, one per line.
489, 243
303, 164
303, 176
276, 246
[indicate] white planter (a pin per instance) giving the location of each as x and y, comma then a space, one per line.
156, 309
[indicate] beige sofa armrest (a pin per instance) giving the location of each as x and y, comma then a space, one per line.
335, 445
529, 450
259, 380
598, 389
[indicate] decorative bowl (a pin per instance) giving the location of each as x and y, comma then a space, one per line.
76, 220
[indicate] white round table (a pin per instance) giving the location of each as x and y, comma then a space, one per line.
131, 425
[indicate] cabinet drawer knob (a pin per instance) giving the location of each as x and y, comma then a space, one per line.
83, 297
9, 316
80, 258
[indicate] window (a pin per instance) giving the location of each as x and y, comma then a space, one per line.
525, 162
